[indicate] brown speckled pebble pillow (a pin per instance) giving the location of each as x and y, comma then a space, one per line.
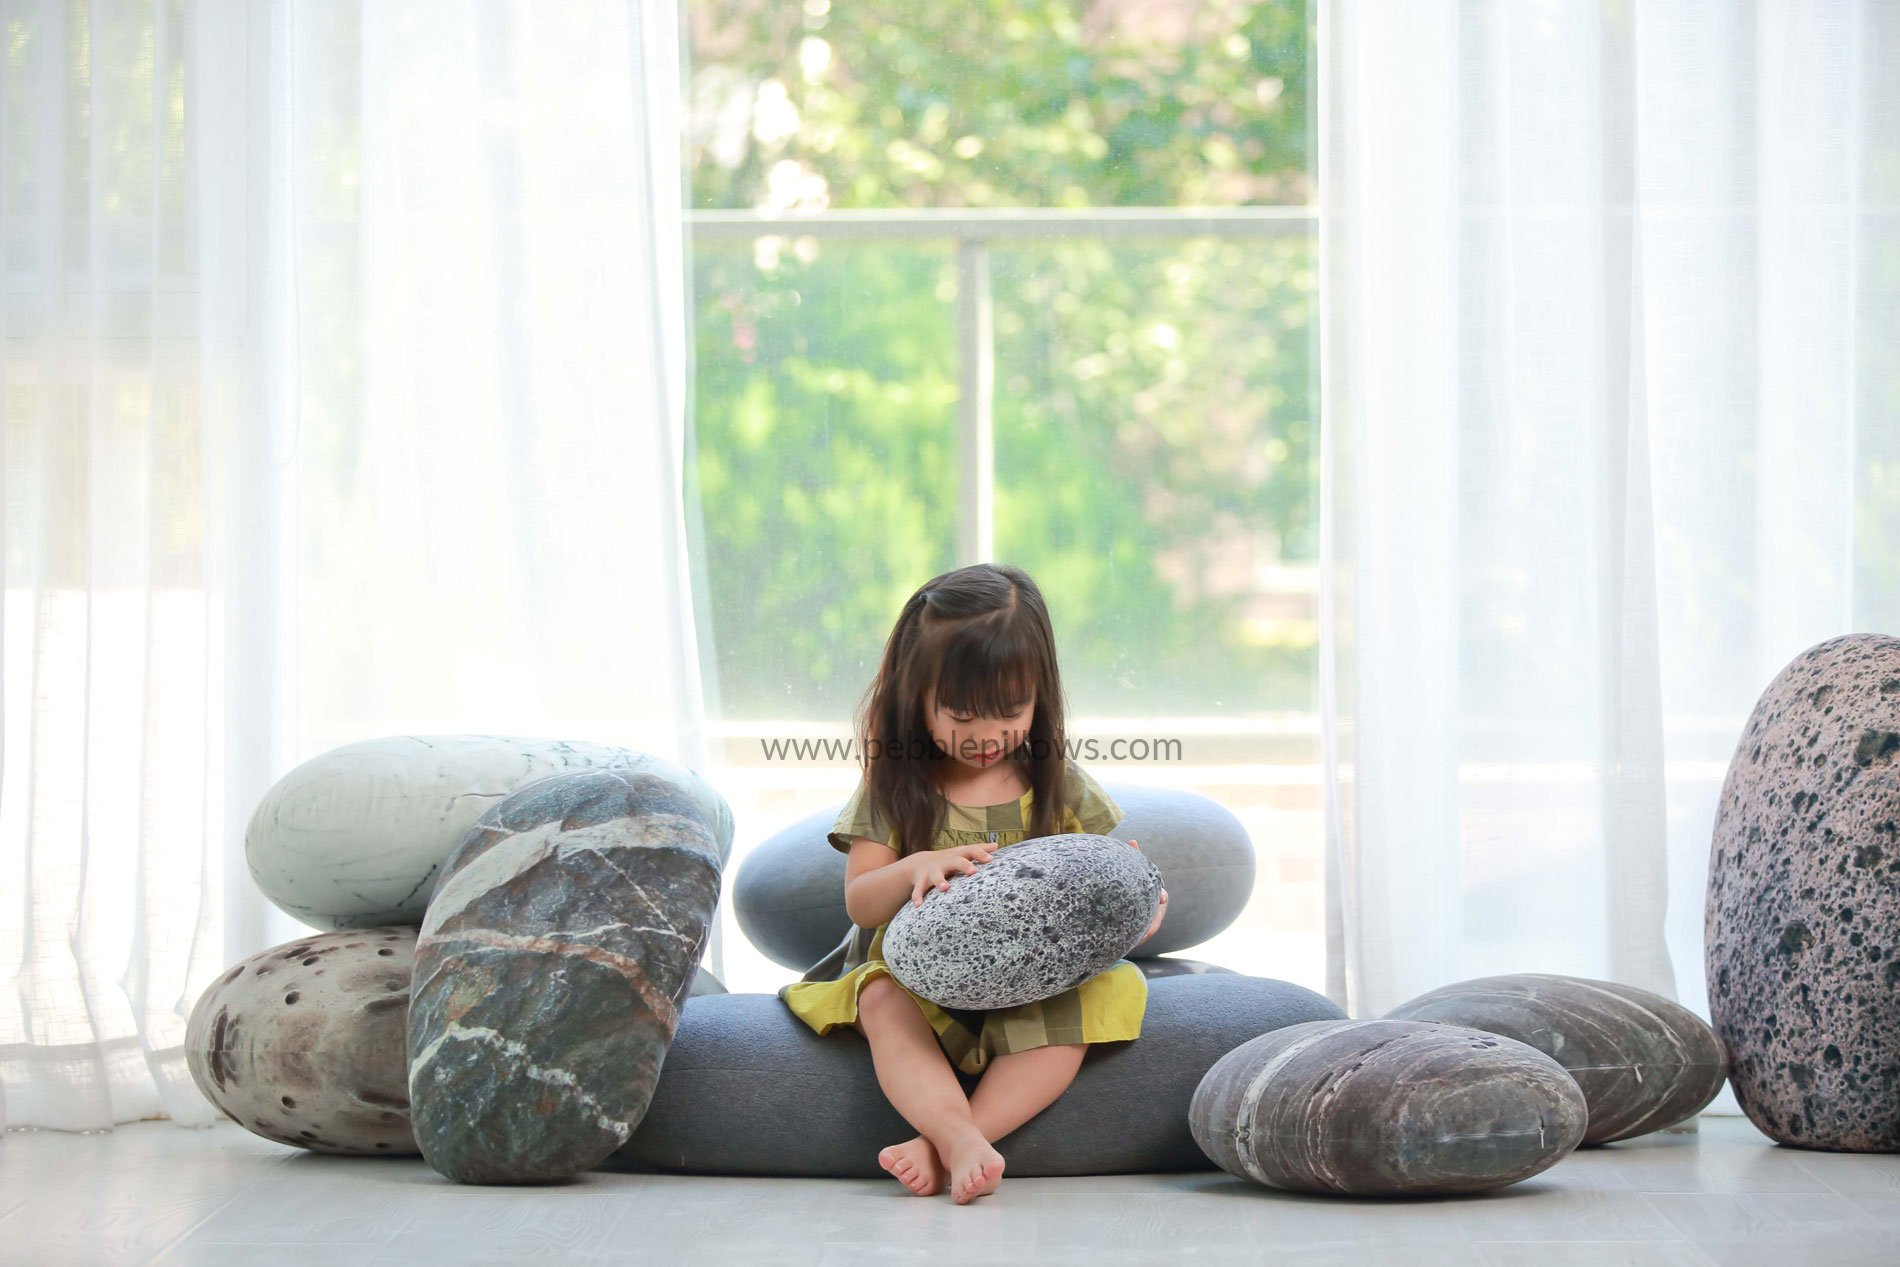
1801, 951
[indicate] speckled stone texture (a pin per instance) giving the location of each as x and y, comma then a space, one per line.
788, 893
1386, 1108
305, 1043
355, 836
749, 1089
1803, 930
1643, 1062
557, 951
1040, 917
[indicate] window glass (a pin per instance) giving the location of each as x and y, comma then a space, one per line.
1101, 210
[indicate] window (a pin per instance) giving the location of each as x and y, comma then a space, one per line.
1026, 283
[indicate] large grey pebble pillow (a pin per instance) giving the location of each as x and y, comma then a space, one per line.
749, 1089
788, 893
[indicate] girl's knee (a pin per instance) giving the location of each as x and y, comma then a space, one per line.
879, 994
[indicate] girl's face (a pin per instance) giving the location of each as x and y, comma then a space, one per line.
977, 743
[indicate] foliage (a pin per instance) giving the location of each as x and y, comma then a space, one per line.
1155, 437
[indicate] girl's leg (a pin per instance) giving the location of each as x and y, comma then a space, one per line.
1021, 1084
918, 1081
1013, 1089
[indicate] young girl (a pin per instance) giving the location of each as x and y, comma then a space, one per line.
962, 732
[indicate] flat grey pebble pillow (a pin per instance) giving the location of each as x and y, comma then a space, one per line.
1642, 1061
1386, 1108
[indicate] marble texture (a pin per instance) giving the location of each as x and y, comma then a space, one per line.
1642, 1061
788, 893
305, 1043
1802, 936
1040, 917
558, 948
749, 1089
356, 836
1386, 1108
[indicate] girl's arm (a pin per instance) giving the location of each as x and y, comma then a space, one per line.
877, 882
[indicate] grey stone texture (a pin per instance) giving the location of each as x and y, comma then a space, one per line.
1386, 1108
788, 894
1643, 1062
749, 1089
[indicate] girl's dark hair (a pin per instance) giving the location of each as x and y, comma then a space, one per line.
980, 637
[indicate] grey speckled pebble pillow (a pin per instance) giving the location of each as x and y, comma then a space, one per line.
748, 1089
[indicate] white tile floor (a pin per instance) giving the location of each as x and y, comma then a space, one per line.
154, 1192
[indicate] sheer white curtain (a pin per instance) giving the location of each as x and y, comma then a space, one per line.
1612, 363
344, 375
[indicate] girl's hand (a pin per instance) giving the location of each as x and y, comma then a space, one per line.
1160, 914
934, 868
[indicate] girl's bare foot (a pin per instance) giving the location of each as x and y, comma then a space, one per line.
914, 1164
975, 1168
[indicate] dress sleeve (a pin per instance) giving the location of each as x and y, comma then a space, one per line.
858, 819
1094, 808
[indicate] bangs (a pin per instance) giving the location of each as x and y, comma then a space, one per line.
992, 673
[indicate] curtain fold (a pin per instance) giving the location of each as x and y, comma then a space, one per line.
1612, 432
343, 376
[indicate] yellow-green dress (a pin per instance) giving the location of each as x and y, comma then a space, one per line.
1106, 1008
